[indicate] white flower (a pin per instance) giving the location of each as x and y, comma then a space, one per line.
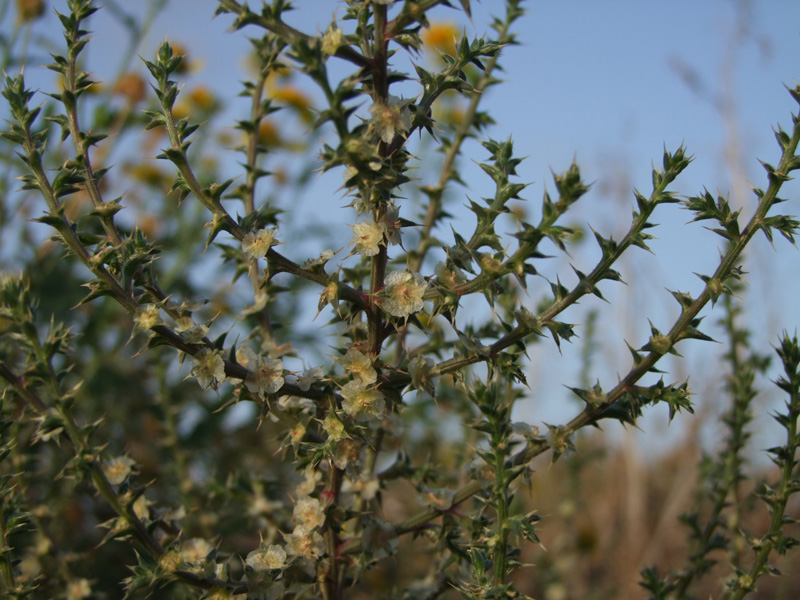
392, 225
295, 403
367, 487
390, 118
403, 292
358, 364
419, 368
309, 377
368, 237
209, 368
264, 375
361, 402
117, 469
266, 559
256, 245
195, 549
303, 542
312, 478
309, 513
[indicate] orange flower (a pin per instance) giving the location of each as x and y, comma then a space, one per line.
30, 10
132, 87
441, 37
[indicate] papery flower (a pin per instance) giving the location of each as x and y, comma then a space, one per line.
308, 512
350, 172
256, 245
190, 331
304, 542
309, 377
366, 487
266, 558
295, 403
390, 118
78, 589
209, 368
361, 402
334, 427
117, 469
146, 317
392, 225
403, 292
332, 40
438, 498
419, 368
312, 478
449, 276
359, 365
195, 549
368, 237
264, 376
346, 451
141, 507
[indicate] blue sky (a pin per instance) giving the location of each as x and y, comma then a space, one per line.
609, 84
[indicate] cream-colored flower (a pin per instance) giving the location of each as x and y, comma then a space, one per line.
438, 498
304, 542
256, 244
117, 469
390, 118
419, 368
334, 427
332, 40
360, 402
392, 225
312, 478
267, 378
146, 317
264, 375
195, 549
209, 368
308, 512
368, 237
403, 292
141, 507
309, 377
78, 589
359, 365
367, 487
266, 558
190, 331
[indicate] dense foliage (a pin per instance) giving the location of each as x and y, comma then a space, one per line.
171, 426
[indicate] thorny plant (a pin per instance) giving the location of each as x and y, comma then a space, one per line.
330, 452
